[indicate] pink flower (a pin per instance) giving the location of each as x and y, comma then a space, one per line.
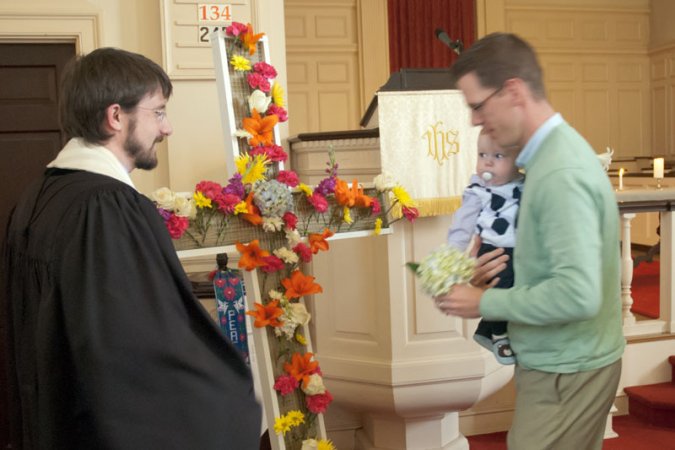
319, 202
257, 81
236, 29
177, 226
286, 384
410, 213
220, 283
304, 252
273, 152
272, 264
288, 177
227, 202
278, 111
375, 206
264, 69
319, 403
209, 189
290, 220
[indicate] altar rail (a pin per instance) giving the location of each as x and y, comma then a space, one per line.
633, 201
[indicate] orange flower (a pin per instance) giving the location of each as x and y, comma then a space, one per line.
253, 216
249, 39
266, 314
252, 256
299, 285
261, 128
301, 367
343, 195
318, 241
353, 196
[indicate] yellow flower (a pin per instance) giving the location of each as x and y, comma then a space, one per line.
306, 189
295, 417
378, 226
282, 425
240, 208
278, 94
201, 201
301, 339
346, 216
325, 444
402, 196
240, 63
251, 170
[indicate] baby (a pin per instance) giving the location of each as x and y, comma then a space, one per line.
489, 209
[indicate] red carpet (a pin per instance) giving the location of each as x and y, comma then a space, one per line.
645, 289
634, 434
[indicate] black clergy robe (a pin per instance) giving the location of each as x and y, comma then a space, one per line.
111, 348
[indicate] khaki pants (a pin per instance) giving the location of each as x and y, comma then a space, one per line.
562, 411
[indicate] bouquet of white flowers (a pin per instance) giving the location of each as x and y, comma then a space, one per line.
443, 268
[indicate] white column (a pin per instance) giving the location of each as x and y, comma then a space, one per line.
626, 270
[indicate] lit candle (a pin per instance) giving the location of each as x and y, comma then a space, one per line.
621, 171
658, 167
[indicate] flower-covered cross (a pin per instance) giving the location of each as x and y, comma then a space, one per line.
277, 224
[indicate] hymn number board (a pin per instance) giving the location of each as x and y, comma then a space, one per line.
212, 17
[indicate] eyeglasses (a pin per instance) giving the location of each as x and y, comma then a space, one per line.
160, 113
478, 106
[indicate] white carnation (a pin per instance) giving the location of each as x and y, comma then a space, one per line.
272, 224
384, 182
258, 101
293, 237
275, 295
314, 386
298, 313
310, 444
185, 207
164, 197
286, 255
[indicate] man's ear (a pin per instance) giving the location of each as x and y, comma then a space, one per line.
113, 118
519, 90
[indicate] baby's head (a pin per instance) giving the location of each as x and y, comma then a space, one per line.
496, 165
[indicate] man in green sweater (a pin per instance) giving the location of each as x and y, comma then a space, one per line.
564, 309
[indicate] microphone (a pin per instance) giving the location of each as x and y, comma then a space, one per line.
456, 46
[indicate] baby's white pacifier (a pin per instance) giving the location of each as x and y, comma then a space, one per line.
487, 176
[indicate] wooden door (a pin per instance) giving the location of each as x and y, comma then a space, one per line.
29, 139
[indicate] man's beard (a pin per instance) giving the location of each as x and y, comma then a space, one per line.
144, 159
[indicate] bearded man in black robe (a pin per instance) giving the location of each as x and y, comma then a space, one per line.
110, 347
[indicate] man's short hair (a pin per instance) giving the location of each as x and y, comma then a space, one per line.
498, 57
106, 76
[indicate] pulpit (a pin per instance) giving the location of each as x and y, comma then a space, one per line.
400, 367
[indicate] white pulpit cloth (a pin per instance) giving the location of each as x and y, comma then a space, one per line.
428, 143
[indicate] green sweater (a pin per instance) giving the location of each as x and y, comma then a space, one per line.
564, 310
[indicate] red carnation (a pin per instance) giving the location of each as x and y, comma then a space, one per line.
177, 226
319, 403
290, 220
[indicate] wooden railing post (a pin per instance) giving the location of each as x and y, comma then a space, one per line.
626, 269
666, 284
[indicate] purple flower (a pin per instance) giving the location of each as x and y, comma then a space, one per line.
235, 186
166, 215
326, 186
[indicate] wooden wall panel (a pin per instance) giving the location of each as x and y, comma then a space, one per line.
324, 81
595, 62
662, 78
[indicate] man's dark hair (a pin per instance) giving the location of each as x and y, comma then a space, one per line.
498, 57
106, 76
